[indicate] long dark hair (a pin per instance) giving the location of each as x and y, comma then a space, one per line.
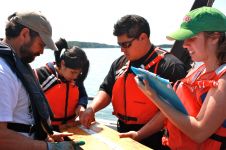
221, 51
74, 58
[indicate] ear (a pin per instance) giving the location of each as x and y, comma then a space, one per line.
143, 36
215, 38
25, 34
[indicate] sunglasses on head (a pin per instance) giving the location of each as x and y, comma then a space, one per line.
126, 44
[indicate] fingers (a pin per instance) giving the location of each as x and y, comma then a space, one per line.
130, 134
49, 139
123, 135
86, 122
62, 134
84, 119
59, 137
66, 134
87, 117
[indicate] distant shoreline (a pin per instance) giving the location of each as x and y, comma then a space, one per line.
101, 45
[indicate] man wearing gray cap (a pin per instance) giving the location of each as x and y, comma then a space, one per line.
24, 111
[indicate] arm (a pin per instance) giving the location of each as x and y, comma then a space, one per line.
12, 140
212, 112
101, 100
153, 126
83, 100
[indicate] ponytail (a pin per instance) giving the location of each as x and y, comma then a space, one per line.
60, 44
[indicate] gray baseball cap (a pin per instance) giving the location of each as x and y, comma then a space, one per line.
37, 22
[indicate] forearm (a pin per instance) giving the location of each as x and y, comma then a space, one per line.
153, 126
11, 140
100, 101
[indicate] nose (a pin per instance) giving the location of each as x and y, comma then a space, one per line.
123, 49
41, 50
186, 44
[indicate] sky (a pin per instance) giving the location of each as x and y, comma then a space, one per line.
93, 20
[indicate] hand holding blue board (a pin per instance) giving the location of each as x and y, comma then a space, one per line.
162, 87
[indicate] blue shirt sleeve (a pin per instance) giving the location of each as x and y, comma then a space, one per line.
83, 97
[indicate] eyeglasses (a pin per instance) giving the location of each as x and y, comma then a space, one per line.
126, 44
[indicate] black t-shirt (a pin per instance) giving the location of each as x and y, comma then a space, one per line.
169, 67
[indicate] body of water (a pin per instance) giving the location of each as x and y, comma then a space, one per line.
100, 62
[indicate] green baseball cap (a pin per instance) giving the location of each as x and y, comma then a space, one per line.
37, 22
199, 20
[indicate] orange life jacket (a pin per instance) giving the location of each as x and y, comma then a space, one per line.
192, 91
63, 98
129, 103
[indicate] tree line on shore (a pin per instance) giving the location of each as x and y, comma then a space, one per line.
102, 45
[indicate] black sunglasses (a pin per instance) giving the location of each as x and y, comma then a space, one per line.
126, 44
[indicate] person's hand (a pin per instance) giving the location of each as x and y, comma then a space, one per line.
131, 134
87, 117
145, 87
58, 137
80, 110
65, 145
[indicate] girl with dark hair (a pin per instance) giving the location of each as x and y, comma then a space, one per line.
62, 82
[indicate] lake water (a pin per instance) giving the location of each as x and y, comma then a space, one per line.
100, 62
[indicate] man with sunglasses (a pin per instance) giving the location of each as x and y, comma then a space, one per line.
135, 112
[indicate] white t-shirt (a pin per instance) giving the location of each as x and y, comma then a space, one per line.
14, 99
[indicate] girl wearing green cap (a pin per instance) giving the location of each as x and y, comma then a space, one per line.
202, 92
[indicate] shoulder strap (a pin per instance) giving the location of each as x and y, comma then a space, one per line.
50, 67
220, 139
161, 53
40, 107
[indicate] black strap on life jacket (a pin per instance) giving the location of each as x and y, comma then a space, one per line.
220, 139
126, 118
39, 104
20, 127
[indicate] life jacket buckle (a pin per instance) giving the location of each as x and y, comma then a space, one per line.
31, 130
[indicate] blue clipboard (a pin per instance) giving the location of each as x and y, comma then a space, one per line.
162, 87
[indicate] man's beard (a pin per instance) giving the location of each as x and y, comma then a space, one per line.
26, 54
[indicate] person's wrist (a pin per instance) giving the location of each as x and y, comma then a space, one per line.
138, 138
